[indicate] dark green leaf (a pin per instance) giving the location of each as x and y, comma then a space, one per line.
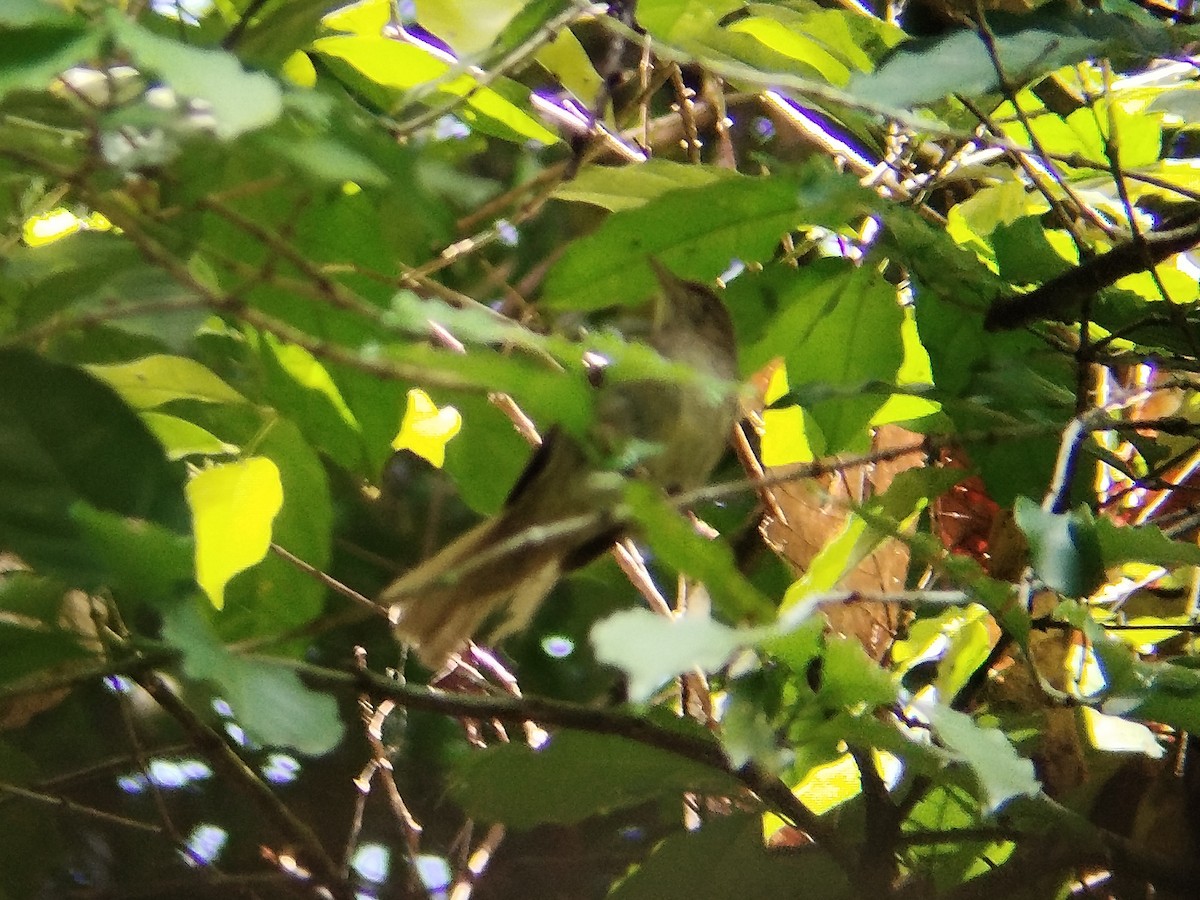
34, 844
726, 858
64, 436
575, 776
1144, 544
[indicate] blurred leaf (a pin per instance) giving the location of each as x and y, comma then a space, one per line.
651, 649
31, 56
269, 700
233, 506
239, 101
29, 648
391, 64
65, 437
28, 855
726, 858
1064, 547
1000, 771
464, 24
575, 776
154, 380
142, 562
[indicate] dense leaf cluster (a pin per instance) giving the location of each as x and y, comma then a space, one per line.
943, 644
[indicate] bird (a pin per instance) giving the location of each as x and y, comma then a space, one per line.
562, 511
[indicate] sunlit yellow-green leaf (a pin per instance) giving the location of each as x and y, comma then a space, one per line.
784, 40
151, 381
785, 431
565, 58
233, 506
394, 64
181, 438
915, 370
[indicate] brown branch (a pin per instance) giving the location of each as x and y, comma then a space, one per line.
1060, 298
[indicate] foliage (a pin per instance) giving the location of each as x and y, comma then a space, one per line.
285, 284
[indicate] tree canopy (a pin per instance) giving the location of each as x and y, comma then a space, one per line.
289, 288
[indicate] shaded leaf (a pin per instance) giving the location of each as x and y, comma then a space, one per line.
726, 858
269, 701
574, 776
65, 436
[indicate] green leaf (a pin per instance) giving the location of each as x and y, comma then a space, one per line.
839, 324
34, 846
25, 13
301, 388
948, 808
1142, 543
181, 438
1064, 547
617, 188
696, 233
31, 57
233, 506
850, 677
1001, 772
392, 65
142, 562
65, 436
26, 648
676, 543
154, 380
651, 649
269, 700
574, 776
274, 596
239, 101
465, 25
928, 69
726, 858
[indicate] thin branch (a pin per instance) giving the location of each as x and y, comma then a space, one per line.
325, 871
558, 713
78, 809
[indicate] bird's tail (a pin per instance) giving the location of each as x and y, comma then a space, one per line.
446, 599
